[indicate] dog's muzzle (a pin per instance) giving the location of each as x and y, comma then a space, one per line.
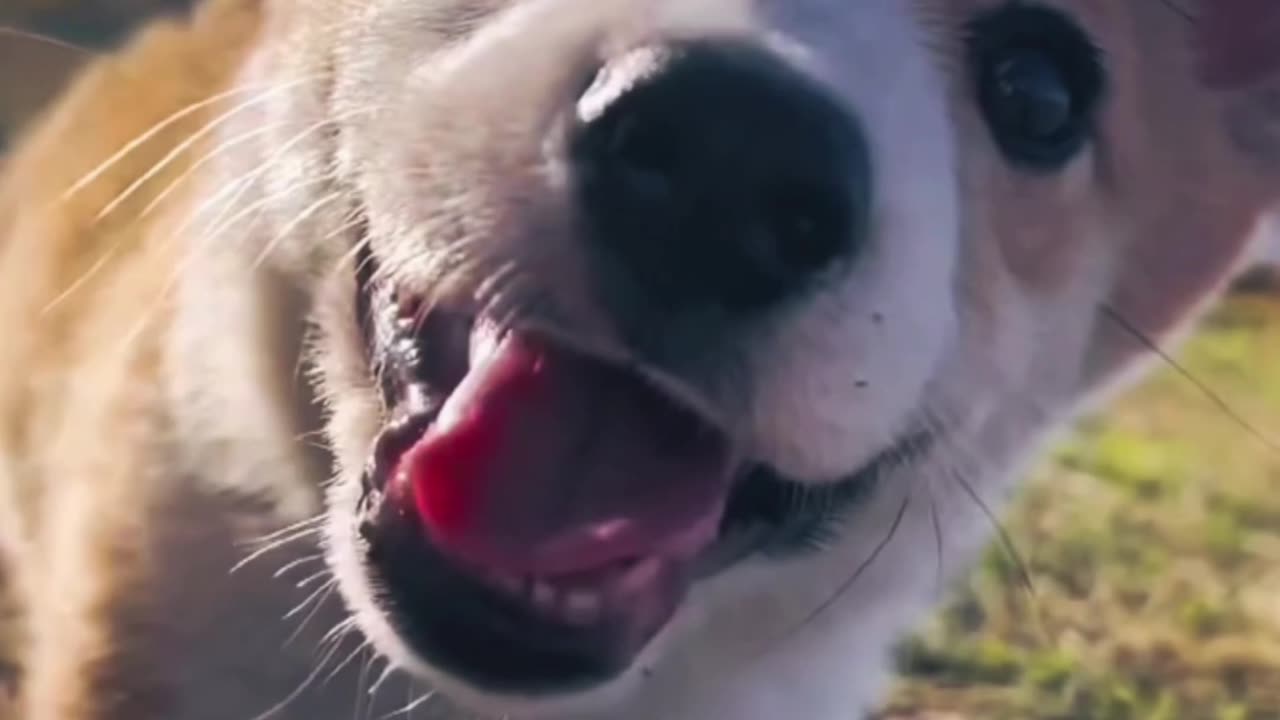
534, 514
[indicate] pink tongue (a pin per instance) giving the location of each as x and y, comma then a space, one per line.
544, 461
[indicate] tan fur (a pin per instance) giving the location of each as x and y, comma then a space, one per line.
114, 603
82, 418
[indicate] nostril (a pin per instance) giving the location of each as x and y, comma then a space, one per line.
645, 149
807, 225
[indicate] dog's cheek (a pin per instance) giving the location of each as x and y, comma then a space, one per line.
1183, 219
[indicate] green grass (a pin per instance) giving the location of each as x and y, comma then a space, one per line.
1152, 538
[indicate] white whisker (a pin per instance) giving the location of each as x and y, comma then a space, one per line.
293, 224
287, 567
387, 672
160, 127
338, 630
413, 705
308, 600
363, 646
318, 605
302, 687
274, 545
294, 527
312, 578
201, 162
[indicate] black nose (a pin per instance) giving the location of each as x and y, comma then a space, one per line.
714, 173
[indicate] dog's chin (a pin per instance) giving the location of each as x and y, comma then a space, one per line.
532, 517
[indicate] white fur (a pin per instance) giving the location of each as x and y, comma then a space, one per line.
894, 314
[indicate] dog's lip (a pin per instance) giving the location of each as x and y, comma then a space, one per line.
528, 641
676, 389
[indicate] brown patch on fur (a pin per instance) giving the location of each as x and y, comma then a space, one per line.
1219, 186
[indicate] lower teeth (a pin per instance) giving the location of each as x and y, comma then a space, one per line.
582, 607
576, 606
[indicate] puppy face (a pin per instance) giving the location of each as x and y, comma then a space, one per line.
670, 345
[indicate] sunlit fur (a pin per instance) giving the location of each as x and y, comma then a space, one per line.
177, 241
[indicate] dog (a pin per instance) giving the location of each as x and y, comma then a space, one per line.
622, 359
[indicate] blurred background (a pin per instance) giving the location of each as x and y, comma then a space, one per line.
1141, 577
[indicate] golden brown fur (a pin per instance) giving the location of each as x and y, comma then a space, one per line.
81, 419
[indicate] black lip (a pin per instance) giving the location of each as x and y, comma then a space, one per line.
800, 515
772, 516
479, 635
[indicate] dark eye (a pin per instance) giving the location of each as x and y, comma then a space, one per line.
1038, 80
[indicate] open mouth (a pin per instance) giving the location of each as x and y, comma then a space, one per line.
534, 515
